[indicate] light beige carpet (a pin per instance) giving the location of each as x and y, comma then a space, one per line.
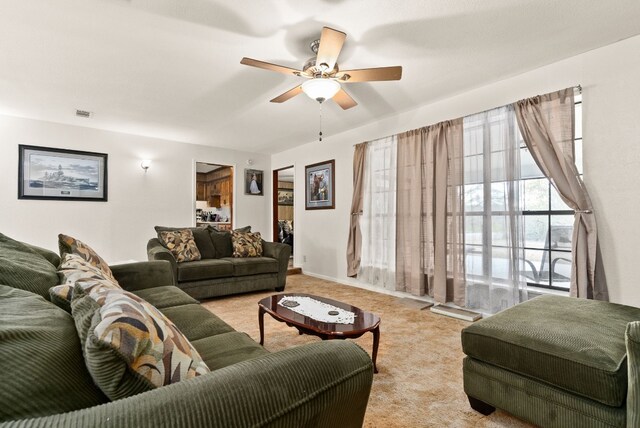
419, 359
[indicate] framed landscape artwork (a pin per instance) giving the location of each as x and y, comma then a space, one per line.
60, 174
320, 186
253, 182
285, 196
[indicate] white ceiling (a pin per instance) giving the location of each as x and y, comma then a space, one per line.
171, 68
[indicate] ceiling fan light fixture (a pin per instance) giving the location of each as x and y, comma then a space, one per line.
320, 89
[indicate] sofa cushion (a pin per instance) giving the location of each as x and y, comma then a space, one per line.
200, 235
222, 240
204, 269
165, 296
575, 344
130, 346
75, 270
68, 244
181, 244
196, 322
228, 348
23, 268
246, 244
42, 370
253, 265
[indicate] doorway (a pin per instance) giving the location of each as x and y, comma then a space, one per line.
283, 227
214, 195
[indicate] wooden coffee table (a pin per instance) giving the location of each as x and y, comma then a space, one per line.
364, 321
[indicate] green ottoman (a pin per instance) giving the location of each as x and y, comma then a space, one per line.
554, 361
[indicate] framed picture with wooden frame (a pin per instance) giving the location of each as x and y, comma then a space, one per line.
285, 196
320, 185
61, 174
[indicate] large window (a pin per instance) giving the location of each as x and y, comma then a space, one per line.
544, 223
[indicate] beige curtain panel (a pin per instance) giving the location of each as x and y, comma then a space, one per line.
546, 123
429, 229
354, 244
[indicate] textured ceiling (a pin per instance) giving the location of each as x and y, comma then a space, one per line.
171, 68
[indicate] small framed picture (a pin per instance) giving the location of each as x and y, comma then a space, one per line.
60, 174
320, 185
285, 196
253, 182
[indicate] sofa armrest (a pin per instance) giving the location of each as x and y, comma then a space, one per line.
282, 253
632, 340
141, 275
156, 251
323, 384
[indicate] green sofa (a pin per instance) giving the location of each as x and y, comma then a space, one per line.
220, 274
45, 382
557, 362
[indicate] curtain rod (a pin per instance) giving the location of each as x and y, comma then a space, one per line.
577, 88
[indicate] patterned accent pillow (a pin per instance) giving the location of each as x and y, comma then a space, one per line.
129, 345
68, 244
246, 244
181, 244
73, 270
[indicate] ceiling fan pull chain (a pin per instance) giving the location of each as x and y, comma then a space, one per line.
320, 134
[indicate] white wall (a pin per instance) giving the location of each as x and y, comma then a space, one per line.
611, 132
120, 228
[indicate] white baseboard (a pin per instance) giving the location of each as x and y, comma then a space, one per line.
359, 284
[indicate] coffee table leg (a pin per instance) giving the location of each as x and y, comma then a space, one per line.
376, 342
261, 324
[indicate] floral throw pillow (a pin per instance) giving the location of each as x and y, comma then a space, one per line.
130, 346
70, 245
181, 244
75, 270
246, 244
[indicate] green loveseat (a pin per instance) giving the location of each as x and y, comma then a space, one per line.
218, 273
45, 382
557, 362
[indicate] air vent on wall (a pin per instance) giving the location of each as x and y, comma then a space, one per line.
83, 113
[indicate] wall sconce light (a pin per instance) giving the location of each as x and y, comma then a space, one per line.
249, 162
145, 164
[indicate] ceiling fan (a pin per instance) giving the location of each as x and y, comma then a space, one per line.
323, 74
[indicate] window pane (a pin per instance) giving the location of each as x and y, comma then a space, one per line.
473, 229
499, 232
473, 169
473, 197
500, 263
499, 196
474, 260
497, 166
557, 204
535, 195
535, 231
561, 232
534, 260
561, 269
578, 148
578, 122
528, 167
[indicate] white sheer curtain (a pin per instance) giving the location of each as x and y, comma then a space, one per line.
378, 221
494, 254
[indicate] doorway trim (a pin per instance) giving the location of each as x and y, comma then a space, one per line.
274, 199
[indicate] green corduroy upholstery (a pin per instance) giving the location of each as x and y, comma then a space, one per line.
225, 349
323, 384
200, 235
244, 266
165, 297
42, 371
633, 363
204, 269
196, 322
575, 344
140, 275
25, 269
282, 253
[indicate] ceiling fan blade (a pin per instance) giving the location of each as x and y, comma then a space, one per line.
269, 66
287, 95
331, 42
370, 74
344, 100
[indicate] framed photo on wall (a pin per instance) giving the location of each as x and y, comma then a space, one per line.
60, 174
253, 182
285, 196
320, 186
